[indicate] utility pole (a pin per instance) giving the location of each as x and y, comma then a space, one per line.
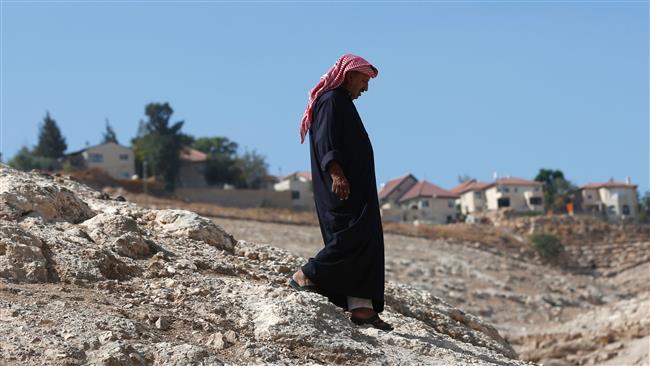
144, 177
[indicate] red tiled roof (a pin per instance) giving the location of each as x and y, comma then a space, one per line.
392, 184
427, 189
470, 185
189, 154
610, 184
516, 182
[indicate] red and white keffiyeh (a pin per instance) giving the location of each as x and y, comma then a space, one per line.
333, 79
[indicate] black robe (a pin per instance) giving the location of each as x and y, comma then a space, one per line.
352, 261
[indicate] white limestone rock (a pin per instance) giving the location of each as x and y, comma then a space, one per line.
189, 225
23, 194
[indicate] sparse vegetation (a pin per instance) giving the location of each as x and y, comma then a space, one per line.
548, 246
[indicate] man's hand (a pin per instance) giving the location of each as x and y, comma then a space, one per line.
340, 185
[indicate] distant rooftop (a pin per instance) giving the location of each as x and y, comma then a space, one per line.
189, 154
390, 186
427, 189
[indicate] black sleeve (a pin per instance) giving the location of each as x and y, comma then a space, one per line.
328, 133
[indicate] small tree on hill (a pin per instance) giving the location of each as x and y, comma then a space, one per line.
222, 160
547, 246
25, 160
51, 144
464, 178
557, 190
253, 167
109, 135
159, 143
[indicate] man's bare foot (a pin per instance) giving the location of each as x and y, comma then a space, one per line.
301, 279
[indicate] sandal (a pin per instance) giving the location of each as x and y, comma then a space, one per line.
374, 320
311, 288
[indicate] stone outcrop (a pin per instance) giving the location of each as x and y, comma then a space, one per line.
85, 279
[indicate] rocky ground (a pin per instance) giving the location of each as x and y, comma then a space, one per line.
549, 314
86, 278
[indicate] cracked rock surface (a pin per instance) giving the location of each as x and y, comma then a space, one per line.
87, 280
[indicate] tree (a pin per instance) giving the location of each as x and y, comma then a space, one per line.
25, 160
557, 190
109, 135
464, 178
214, 146
159, 143
644, 207
222, 165
51, 144
253, 167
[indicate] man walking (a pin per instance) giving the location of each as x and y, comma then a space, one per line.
349, 270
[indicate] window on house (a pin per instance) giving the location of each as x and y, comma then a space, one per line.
535, 201
588, 196
424, 203
515, 189
478, 194
626, 210
124, 157
611, 209
295, 195
536, 189
451, 204
96, 158
503, 202
506, 189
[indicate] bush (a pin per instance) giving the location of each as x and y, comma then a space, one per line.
548, 246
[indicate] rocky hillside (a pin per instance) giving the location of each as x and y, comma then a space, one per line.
87, 279
529, 303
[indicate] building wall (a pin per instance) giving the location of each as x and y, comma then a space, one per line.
300, 190
242, 198
437, 212
115, 159
391, 213
590, 200
472, 201
615, 199
519, 197
192, 174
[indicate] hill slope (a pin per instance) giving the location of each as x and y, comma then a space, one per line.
85, 279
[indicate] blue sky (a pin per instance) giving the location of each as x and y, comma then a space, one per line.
464, 87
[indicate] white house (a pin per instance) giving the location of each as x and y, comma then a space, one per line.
471, 196
615, 200
115, 159
299, 183
519, 195
427, 203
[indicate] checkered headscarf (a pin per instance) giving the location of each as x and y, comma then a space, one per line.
333, 79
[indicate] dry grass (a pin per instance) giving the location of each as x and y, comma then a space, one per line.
283, 216
485, 235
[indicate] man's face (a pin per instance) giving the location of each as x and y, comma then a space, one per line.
356, 83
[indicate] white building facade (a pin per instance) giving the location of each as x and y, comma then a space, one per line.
115, 159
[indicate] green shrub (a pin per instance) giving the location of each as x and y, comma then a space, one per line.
548, 246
